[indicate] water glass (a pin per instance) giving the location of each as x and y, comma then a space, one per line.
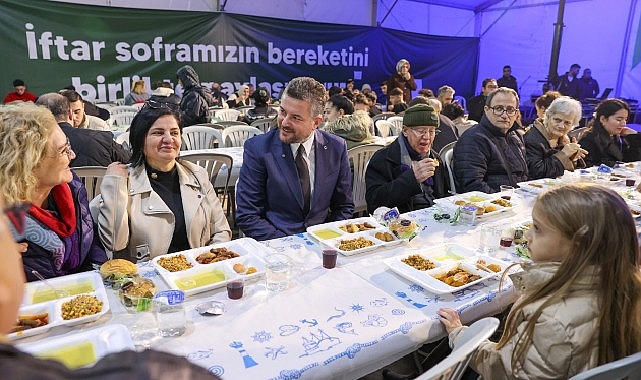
490, 239
277, 272
170, 312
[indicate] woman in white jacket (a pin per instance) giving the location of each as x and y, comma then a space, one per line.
158, 204
580, 304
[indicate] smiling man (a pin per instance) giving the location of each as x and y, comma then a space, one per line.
295, 176
491, 153
408, 173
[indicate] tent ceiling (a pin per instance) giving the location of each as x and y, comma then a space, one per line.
472, 5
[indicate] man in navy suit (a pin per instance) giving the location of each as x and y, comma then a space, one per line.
273, 199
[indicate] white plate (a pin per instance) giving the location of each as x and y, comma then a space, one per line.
203, 277
80, 283
333, 228
427, 278
477, 198
539, 185
102, 341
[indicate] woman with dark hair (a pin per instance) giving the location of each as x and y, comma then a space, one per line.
158, 204
262, 109
607, 137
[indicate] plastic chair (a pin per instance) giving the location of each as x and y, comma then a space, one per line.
453, 366
262, 124
382, 116
227, 114
359, 158
122, 109
627, 368
446, 153
122, 118
91, 177
226, 124
214, 163
236, 135
123, 139
397, 121
200, 137
383, 128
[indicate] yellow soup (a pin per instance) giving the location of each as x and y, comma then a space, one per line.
200, 279
327, 234
74, 356
46, 294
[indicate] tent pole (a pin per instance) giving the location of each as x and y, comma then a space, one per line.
624, 52
556, 44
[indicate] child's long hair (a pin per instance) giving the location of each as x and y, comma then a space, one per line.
600, 226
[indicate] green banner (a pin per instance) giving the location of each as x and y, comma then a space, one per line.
101, 50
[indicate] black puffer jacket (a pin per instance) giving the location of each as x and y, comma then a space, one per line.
481, 157
196, 99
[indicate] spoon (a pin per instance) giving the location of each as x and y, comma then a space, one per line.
59, 293
211, 308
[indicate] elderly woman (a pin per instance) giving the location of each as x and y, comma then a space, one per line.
158, 204
549, 151
57, 236
607, 137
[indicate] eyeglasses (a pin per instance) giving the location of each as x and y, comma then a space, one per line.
425, 132
66, 150
498, 110
152, 104
566, 123
16, 214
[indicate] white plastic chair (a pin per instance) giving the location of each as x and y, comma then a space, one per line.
453, 366
214, 163
122, 109
382, 116
397, 121
200, 137
384, 128
359, 157
91, 177
446, 153
262, 124
627, 368
123, 139
227, 114
121, 119
236, 135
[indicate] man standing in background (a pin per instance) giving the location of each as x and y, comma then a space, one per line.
508, 80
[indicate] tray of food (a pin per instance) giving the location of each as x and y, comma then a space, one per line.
354, 236
539, 185
70, 300
486, 204
82, 349
446, 268
201, 269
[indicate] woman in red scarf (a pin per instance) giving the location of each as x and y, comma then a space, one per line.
57, 236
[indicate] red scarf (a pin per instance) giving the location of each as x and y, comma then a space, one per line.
65, 224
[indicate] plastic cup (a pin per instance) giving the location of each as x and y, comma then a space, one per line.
235, 288
277, 272
170, 313
490, 239
329, 258
630, 182
507, 192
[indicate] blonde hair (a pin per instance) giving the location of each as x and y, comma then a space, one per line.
138, 87
601, 229
24, 138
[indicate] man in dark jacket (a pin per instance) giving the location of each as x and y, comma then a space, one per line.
196, 100
491, 153
92, 148
408, 174
570, 84
476, 104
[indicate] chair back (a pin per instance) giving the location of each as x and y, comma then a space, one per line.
227, 114
627, 368
226, 124
121, 119
382, 116
384, 128
397, 121
200, 137
123, 139
138, 106
215, 164
211, 112
359, 158
236, 135
446, 153
91, 177
122, 109
453, 366
262, 124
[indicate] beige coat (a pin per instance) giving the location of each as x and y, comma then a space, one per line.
564, 341
131, 215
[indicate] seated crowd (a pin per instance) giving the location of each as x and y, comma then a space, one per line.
299, 174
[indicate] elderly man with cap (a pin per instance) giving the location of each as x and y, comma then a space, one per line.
408, 173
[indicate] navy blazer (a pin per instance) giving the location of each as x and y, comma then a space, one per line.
268, 193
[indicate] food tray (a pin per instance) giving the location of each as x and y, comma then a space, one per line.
38, 299
82, 349
476, 198
444, 259
539, 185
330, 235
203, 277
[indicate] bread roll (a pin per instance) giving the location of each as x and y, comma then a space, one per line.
118, 266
